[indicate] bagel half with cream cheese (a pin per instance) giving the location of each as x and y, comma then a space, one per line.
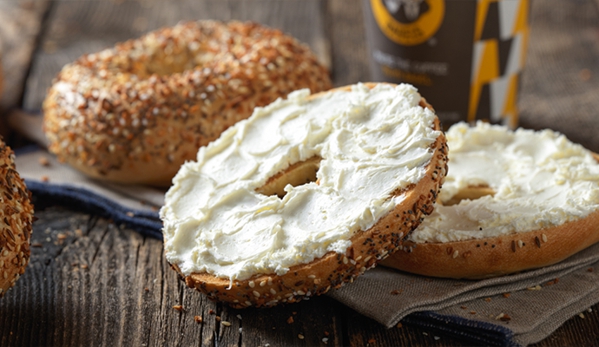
305, 195
16, 218
512, 201
135, 112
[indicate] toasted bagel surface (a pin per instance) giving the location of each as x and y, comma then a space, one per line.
306, 251
136, 112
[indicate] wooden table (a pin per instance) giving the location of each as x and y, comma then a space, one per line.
91, 282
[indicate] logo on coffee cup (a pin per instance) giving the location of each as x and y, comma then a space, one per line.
408, 22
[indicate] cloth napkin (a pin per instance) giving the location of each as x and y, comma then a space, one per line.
513, 310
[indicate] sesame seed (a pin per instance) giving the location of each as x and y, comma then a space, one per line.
544, 237
272, 291
455, 254
225, 323
256, 294
520, 243
263, 283
252, 284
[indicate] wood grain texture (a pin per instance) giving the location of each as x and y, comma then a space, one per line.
348, 42
93, 283
561, 76
21, 23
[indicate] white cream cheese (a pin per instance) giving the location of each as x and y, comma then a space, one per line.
540, 180
371, 142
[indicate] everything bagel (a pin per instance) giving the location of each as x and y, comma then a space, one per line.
16, 218
342, 177
136, 112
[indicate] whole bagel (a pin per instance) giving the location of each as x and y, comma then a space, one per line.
512, 201
338, 182
16, 218
136, 112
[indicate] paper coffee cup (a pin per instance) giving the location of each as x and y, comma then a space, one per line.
464, 56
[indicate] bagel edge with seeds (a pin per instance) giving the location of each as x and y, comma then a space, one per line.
333, 269
16, 218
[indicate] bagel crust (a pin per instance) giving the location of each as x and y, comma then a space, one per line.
505, 250
333, 269
491, 257
136, 112
16, 217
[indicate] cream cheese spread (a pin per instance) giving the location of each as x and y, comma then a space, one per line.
540, 179
372, 142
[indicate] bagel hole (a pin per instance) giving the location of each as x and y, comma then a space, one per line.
470, 193
297, 174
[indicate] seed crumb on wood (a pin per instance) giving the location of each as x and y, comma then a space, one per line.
290, 320
198, 319
504, 317
506, 295
178, 308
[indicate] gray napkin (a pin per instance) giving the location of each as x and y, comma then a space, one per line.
538, 302
522, 308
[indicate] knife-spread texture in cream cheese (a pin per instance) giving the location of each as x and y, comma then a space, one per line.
372, 143
539, 179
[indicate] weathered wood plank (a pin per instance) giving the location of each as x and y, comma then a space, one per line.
561, 76
20, 23
92, 283
348, 42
